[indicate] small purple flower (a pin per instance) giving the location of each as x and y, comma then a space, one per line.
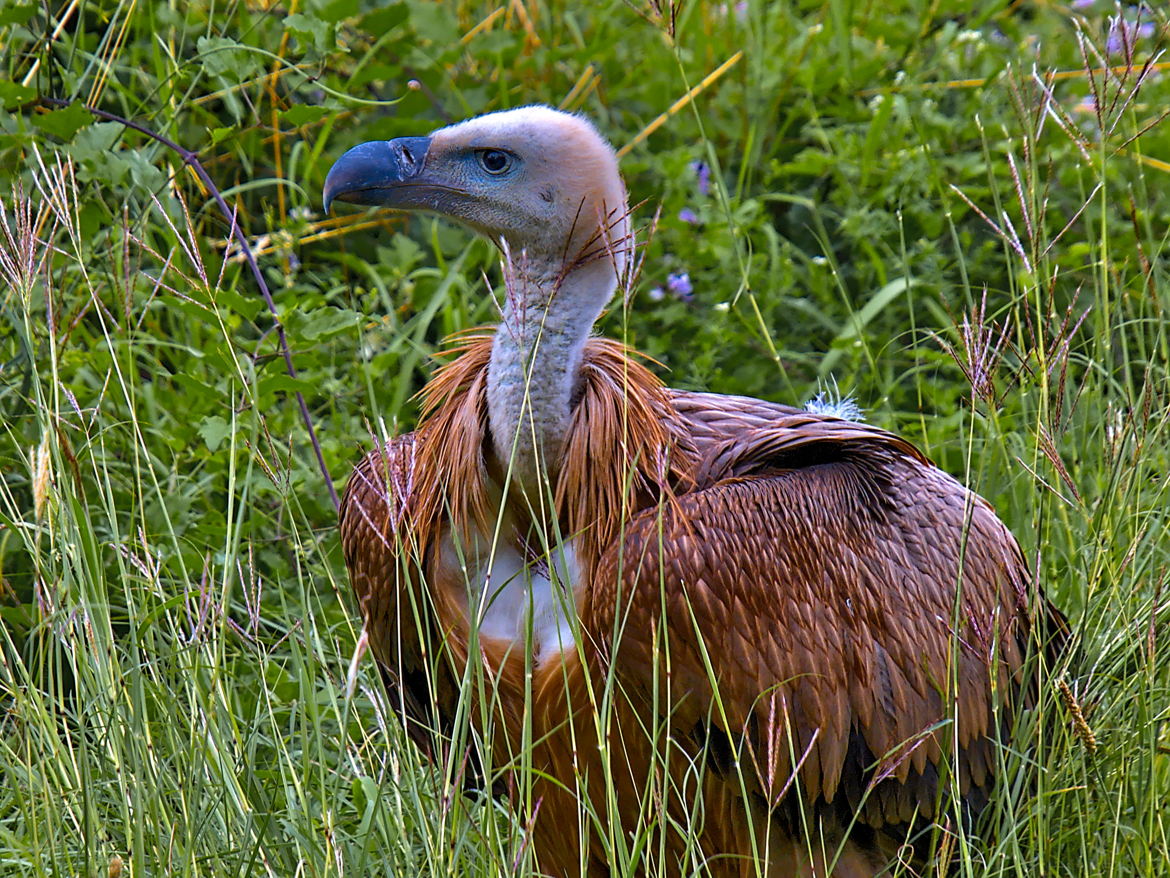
656, 294
1124, 33
740, 9
702, 176
1083, 4
1116, 40
680, 285
688, 216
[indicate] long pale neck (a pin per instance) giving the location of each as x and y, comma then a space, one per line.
536, 359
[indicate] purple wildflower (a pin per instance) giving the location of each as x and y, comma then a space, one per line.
1083, 4
1124, 33
656, 294
740, 9
688, 216
680, 285
702, 176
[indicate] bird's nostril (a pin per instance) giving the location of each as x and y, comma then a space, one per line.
409, 154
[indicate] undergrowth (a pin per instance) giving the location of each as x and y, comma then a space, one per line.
961, 219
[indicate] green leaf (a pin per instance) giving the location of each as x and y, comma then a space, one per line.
94, 143
434, 22
214, 430
110, 169
17, 13
380, 21
322, 323
339, 10
144, 173
375, 72
311, 32
92, 220
222, 56
403, 253
285, 382
302, 114
246, 306
64, 123
13, 95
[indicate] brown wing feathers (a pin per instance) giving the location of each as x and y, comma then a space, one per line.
830, 584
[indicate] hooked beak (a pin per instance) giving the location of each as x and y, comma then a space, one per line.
379, 172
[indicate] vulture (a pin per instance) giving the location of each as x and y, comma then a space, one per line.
679, 632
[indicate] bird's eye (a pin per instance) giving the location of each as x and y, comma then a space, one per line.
494, 161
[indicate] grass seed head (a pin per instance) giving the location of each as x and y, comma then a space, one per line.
1080, 725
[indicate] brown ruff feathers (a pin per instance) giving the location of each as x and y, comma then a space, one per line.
626, 448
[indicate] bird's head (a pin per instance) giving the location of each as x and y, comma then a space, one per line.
534, 180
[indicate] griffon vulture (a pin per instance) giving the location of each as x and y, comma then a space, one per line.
785, 642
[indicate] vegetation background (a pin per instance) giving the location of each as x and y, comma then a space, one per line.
958, 213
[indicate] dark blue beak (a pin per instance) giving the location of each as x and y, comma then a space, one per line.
371, 172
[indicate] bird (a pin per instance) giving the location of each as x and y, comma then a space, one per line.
773, 641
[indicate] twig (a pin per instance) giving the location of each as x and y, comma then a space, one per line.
192, 161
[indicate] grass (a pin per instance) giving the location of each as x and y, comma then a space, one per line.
900, 197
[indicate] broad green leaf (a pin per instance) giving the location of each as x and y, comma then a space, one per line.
143, 172
214, 430
13, 94
17, 13
338, 10
302, 114
222, 56
285, 382
434, 22
95, 142
322, 323
310, 31
64, 123
380, 21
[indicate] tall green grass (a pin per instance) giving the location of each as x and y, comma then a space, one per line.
900, 198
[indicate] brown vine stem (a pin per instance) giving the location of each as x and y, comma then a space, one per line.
192, 161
